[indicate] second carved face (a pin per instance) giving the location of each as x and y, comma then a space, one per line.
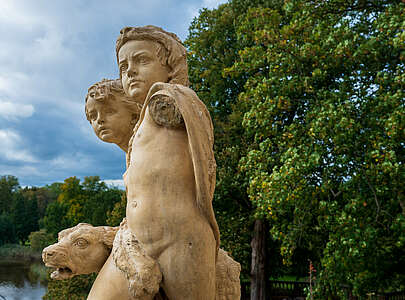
112, 121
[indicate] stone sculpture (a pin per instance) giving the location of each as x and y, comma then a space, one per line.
83, 249
167, 247
111, 113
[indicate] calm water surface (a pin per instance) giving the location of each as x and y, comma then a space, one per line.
18, 282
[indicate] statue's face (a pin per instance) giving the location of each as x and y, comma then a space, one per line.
111, 120
140, 68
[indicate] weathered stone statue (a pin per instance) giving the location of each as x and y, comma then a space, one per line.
111, 113
167, 247
83, 249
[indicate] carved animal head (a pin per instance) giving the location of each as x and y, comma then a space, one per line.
82, 249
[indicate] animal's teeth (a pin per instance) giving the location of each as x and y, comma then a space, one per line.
55, 274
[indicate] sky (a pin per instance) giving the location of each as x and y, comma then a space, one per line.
50, 53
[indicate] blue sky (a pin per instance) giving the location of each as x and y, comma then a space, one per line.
50, 53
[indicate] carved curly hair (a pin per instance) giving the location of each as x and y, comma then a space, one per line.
111, 89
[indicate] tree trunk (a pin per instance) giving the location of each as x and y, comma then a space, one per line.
259, 280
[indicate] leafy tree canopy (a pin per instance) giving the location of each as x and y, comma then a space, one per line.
325, 113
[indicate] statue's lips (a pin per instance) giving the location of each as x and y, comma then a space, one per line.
105, 131
135, 83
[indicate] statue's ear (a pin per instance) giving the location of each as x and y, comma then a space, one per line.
109, 235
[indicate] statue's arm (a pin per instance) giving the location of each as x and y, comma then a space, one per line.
164, 111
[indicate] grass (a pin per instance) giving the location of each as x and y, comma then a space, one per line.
290, 278
18, 252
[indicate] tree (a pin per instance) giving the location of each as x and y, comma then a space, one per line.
100, 200
117, 214
7, 234
326, 118
24, 216
44, 195
40, 239
89, 202
213, 48
55, 218
8, 185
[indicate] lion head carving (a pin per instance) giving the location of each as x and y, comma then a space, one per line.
81, 249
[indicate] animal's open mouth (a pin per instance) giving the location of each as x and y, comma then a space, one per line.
61, 273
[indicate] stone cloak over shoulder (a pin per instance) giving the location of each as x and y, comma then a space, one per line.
200, 134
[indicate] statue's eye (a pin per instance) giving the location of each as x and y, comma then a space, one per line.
81, 243
123, 67
143, 59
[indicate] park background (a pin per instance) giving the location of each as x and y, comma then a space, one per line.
307, 100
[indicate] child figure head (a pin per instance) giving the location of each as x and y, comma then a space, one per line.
111, 113
147, 55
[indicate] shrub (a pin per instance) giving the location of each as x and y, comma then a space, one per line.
40, 239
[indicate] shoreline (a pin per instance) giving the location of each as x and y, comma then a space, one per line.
18, 253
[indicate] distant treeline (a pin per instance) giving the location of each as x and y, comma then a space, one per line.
44, 211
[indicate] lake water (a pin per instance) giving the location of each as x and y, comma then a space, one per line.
18, 282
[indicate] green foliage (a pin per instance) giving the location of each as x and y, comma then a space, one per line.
100, 203
8, 185
115, 216
43, 195
24, 216
88, 202
40, 239
76, 288
21, 209
7, 234
212, 47
18, 252
55, 218
325, 114
60, 205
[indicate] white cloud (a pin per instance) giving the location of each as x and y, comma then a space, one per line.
193, 10
11, 110
12, 147
212, 3
12, 83
119, 183
48, 48
13, 13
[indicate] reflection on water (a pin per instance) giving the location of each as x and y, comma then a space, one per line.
18, 282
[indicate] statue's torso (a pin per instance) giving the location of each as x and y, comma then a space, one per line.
160, 183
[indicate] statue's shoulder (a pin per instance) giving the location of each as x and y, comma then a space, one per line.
163, 106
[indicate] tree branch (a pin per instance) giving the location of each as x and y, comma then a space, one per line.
375, 197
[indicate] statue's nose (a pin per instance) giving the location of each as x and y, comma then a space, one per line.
47, 253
